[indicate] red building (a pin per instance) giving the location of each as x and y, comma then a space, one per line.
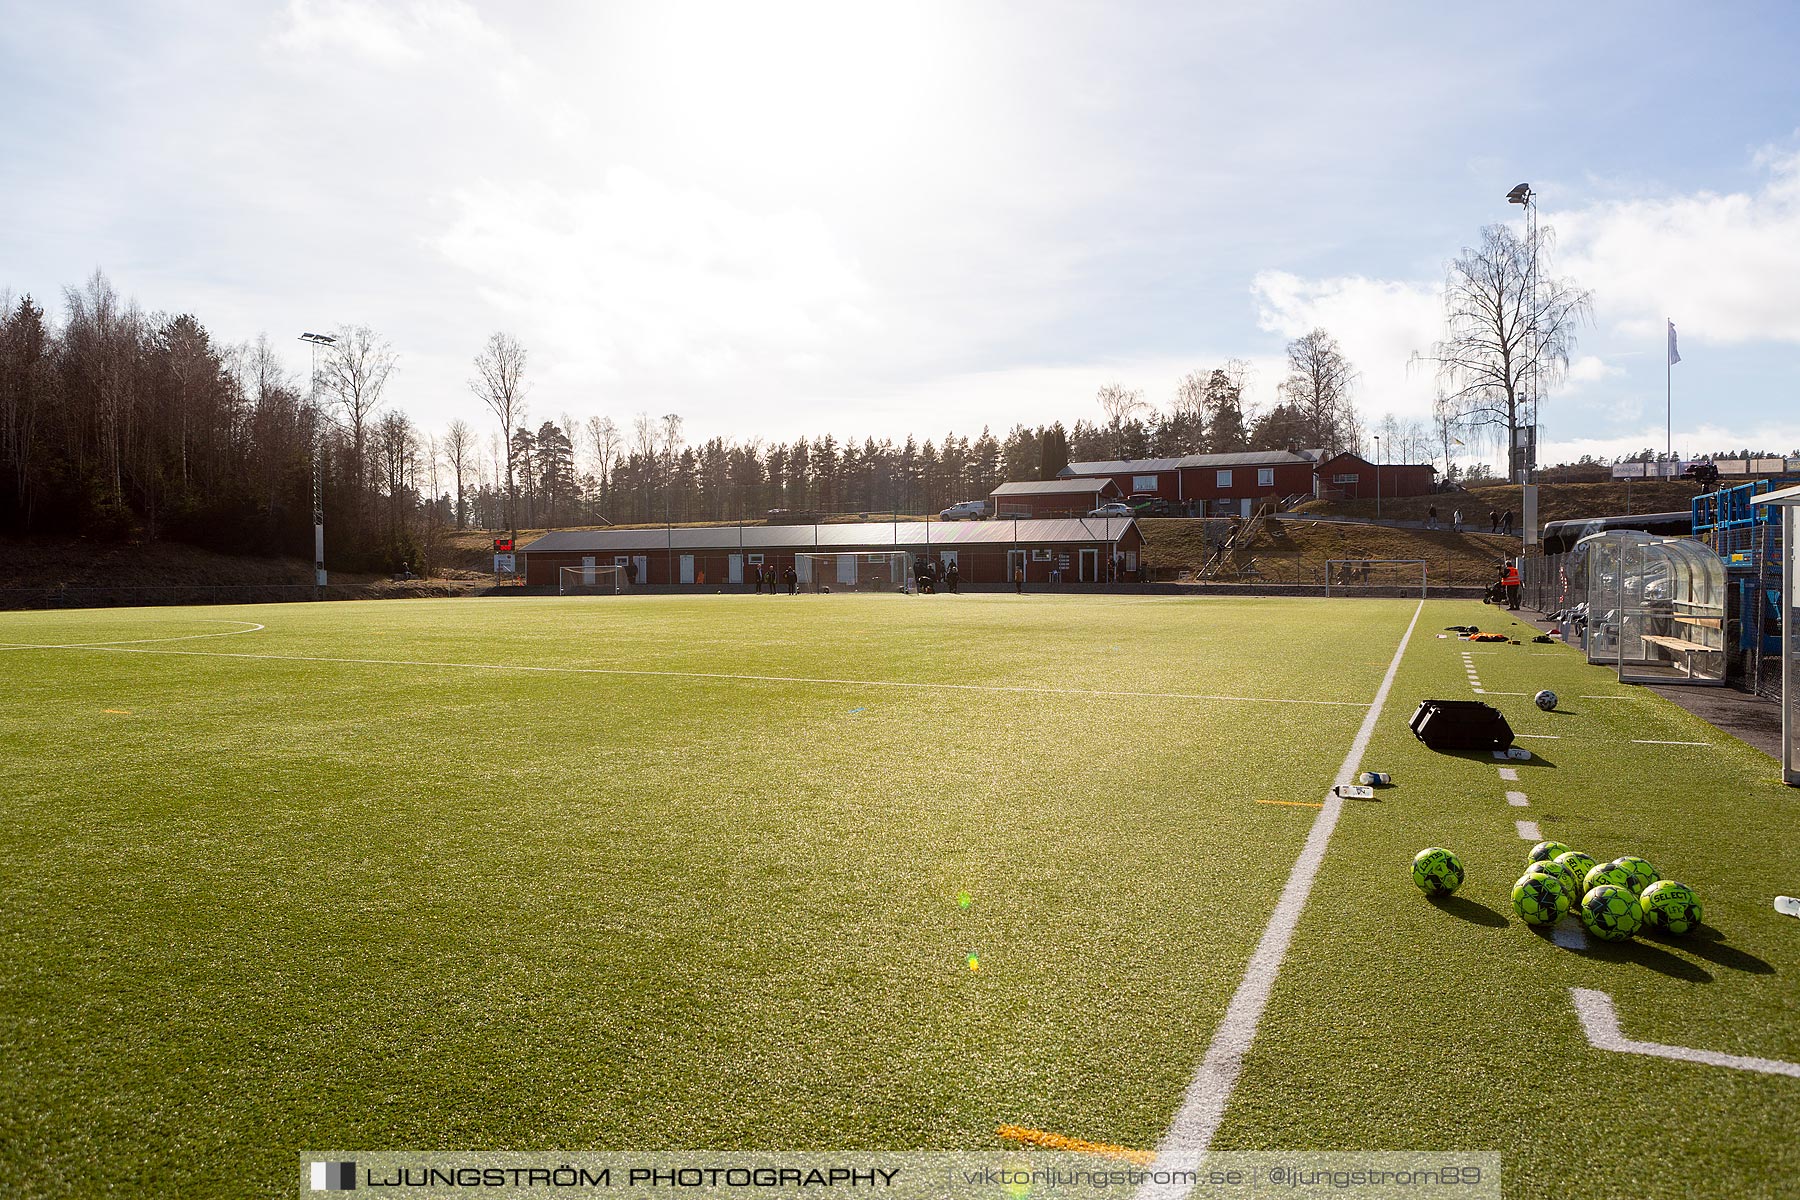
848, 556
1133, 476
1236, 484
1353, 477
1053, 497
1206, 485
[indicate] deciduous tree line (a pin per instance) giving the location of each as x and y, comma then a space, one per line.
118, 423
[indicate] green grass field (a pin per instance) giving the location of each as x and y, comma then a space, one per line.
636, 873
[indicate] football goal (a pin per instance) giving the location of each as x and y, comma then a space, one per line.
1362, 576
594, 580
884, 571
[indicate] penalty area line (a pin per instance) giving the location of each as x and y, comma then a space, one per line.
646, 673
1203, 1106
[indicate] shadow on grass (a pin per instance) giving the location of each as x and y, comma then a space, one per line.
1646, 955
1708, 943
1465, 909
1487, 756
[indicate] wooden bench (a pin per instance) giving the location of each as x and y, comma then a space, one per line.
1680, 646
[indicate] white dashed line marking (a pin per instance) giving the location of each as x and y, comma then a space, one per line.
1528, 831
1652, 742
1517, 800
1569, 934
1510, 774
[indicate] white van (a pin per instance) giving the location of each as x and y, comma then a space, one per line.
968, 510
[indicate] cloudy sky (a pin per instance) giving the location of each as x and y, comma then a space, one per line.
786, 218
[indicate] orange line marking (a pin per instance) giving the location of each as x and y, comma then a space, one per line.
1056, 1141
1293, 803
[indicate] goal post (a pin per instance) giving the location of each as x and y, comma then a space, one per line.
855, 570
1361, 576
595, 580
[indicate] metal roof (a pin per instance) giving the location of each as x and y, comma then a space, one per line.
1248, 458
1121, 466
868, 536
1044, 487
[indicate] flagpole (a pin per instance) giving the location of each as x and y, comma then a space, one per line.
1668, 395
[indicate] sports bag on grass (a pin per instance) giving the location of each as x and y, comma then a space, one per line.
1461, 725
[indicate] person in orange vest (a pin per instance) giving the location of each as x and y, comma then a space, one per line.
1509, 579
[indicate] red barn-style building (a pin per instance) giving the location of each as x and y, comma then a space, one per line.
1206, 485
1053, 497
1098, 550
1353, 477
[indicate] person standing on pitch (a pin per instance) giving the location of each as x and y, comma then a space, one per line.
952, 577
792, 579
1510, 582
1019, 580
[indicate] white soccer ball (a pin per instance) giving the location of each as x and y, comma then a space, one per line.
1545, 699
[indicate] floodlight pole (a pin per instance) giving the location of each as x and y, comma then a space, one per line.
1523, 195
315, 340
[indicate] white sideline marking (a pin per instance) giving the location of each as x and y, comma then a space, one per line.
1549, 737
1650, 742
1528, 831
632, 672
1510, 774
1517, 799
1203, 1106
1600, 1022
1503, 693
252, 627
1569, 934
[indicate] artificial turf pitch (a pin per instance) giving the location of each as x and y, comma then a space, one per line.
654, 872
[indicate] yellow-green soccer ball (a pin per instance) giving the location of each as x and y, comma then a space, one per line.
1611, 913
1579, 865
1545, 851
1608, 874
1642, 873
1436, 871
1671, 906
1539, 899
1564, 877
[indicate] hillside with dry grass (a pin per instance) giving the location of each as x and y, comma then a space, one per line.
1556, 502
1289, 550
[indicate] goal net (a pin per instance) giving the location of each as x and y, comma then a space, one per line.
597, 580
1362, 576
885, 571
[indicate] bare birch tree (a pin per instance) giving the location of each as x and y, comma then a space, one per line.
1508, 334
459, 445
1118, 405
355, 372
1320, 386
500, 382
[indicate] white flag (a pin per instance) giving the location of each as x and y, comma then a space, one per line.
1674, 354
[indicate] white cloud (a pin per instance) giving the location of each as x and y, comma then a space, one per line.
1379, 323
642, 279
1588, 368
1726, 267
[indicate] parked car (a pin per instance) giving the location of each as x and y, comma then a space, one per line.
1148, 506
1118, 508
968, 510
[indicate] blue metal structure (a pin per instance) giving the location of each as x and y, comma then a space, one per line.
1748, 538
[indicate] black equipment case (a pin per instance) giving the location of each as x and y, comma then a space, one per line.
1461, 725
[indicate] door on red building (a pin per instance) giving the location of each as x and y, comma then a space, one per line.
1015, 562
1090, 566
